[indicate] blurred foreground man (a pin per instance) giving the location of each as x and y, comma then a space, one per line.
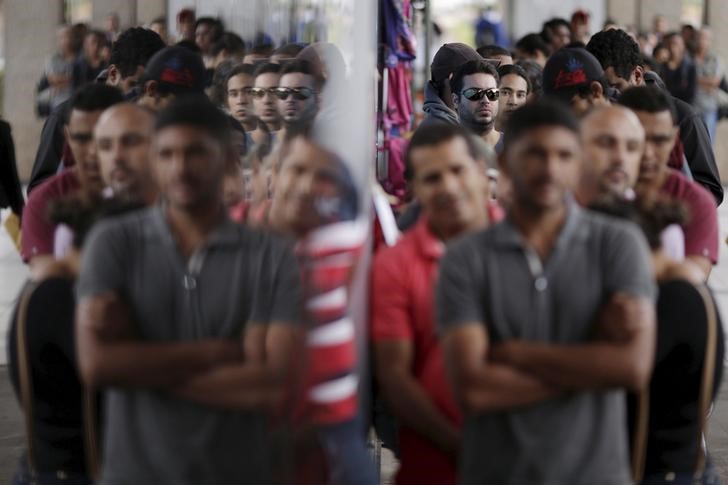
187, 320
546, 317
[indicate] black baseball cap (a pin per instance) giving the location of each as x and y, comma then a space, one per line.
178, 70
569, 69
449, 57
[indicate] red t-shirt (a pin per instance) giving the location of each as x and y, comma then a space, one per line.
403, 286
701, 229
37, 231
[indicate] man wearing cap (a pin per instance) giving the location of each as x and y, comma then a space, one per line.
438, 99
575, 77
173, 71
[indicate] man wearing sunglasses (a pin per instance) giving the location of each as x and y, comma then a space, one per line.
475, 96
298, 95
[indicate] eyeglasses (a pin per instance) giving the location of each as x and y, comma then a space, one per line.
261, 92
476, 94
298, 94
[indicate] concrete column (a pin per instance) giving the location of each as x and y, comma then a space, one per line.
26, 51
717, 13
124, 8
672, 9
624, 12
148, 10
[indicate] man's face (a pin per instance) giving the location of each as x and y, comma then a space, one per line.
80, 135
307, 177
188, 166
295, 111
581, 105
617, 82
560, 36
660, 135
123, 137
91, 45
203, 38
125, 84
513, 94
477, 115
613, 142
542, 166
676, 45
265, 107
240, 103
449, 184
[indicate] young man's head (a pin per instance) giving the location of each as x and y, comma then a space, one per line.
575, 77
496, 53
514, 88
190, 149
123, 137
259, 53
239, 101
532, 47
208, 30
447, 60
129, 54
186, 24
447, 177
265, 102
612, 141
299, 95
676, 45
172, 72
619, 56
159, 26
475, 95
313, 188
557, 33
85, 109
541, 156
228, 46
656, 111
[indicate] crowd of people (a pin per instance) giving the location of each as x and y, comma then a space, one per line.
192, 246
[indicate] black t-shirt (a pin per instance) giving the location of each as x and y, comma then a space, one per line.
57, 391
672, 441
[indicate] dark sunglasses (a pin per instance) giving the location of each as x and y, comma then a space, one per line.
476, 94
298, 94
260, 92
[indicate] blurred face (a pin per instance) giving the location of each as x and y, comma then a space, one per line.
660, 135
513, 94
80, 135
123, 137
676, 45
581, 105
188, 165
542, 165
561, 36
126, 84
294, 111
203, 38
240, 103
160, 29
705, 39
449, 184
64, 38
613, 142
306, 180
266, 106
91, 45
186, 29
660, 24
477, 115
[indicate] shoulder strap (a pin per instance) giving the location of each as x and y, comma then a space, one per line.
639, 439
706, 385
24, 371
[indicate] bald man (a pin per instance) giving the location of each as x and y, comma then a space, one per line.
123, 135
613, 141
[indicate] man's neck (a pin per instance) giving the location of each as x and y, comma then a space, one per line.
251, 125
192, 227
274, 126
447, 233
540, 229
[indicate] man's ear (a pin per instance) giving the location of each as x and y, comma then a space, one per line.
113, 76
638, 76
597, 91
151, 89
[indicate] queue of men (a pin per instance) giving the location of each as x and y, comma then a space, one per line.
508, 325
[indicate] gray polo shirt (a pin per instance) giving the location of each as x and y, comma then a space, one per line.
240, 276
494, 278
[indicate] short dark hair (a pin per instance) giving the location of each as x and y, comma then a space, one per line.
542, 112
532, 43
265, 68
535, 75
238, 69
134, 48
199, 112
550, 25
490, 51
649, 99
433, 134
159, 20
189, 45
616, 49
231, 43
518, 71
471, 67
94, 97
288, 50
218, 87
304, 67
216, 26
